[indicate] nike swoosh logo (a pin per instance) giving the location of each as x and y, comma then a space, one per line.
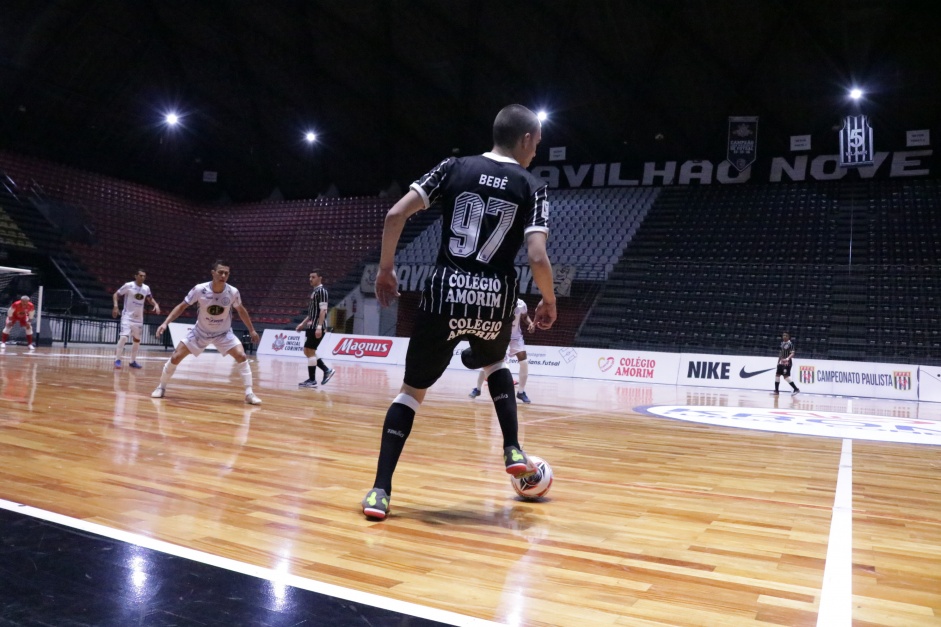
748, 375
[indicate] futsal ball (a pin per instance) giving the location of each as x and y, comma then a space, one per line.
534, 486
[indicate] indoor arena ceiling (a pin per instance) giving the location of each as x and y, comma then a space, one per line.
392, 86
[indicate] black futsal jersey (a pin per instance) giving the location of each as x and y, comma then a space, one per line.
490, 203
318, 301
786, 349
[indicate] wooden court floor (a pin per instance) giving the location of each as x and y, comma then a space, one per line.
650, 521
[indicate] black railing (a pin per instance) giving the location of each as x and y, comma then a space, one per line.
66, 329
85, 330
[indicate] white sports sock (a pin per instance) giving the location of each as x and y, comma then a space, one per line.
480, 380
121, 342
524, 373
168, 369
245, 370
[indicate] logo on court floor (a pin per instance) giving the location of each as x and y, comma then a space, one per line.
807, 422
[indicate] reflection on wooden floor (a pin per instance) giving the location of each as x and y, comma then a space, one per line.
650, 520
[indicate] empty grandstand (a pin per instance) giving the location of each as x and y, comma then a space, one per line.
848, 267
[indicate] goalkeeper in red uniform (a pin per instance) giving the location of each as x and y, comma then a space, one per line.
22, 312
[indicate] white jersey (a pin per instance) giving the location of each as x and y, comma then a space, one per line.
518, 312
215, 310
134, 298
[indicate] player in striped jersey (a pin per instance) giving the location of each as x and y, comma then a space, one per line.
316, 325
785, 361
490, 205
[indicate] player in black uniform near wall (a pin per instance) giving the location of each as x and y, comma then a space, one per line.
491, 203
316, 325
785, 361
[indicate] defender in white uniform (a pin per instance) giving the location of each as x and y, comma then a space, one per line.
216, 300
136, 295
517, 348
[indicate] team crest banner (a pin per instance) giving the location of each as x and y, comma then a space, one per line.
856, 142
743, 141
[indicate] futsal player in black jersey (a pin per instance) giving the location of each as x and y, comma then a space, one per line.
316, 325
785, 361
491, 204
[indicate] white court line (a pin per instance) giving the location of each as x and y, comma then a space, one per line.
276, 577
90, 356
836, 595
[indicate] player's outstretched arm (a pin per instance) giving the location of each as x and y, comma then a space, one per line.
243, 314
154, 304
173, 315
387, 282
303, 323
530, 325
542, 276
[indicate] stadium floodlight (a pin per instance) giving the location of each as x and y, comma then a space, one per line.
311, 137
543, 116
856, 93
172, 119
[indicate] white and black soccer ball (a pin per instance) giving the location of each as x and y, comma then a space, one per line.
535, 486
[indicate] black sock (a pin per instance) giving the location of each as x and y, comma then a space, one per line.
777, 385
312, 373
322, 366
395, 430
792, 384
504, 401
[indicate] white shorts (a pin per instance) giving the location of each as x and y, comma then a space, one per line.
517, 345
197, 342
134, 330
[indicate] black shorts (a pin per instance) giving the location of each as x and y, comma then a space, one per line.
312, 341
784, 370
435, 337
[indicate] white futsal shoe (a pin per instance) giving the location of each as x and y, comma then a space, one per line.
251, 399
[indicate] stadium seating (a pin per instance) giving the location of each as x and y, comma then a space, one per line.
271, 245
848, 267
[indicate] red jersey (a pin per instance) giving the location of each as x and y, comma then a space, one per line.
20, 311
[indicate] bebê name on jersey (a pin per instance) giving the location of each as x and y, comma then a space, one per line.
493, 181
